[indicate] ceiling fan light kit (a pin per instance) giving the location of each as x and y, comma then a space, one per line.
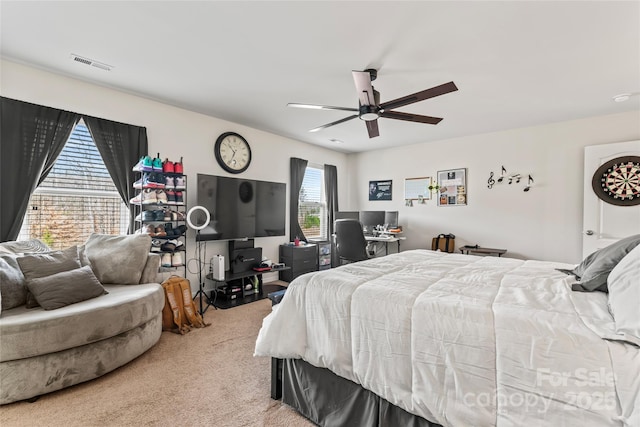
370, 109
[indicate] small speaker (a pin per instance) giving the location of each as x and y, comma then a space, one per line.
217, 267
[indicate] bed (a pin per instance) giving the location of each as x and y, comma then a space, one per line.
454, 340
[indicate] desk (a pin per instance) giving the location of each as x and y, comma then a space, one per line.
386, 239
475, 250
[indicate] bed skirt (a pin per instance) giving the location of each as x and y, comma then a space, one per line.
329, 400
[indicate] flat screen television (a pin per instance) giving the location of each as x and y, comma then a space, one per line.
241, 208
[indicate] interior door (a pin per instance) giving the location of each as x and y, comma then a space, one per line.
605, 223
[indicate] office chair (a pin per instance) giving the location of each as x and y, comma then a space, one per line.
351, 245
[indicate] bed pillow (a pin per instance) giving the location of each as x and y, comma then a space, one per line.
65, 288
624, 296
35, 266
595, 268
12, 289
118, 260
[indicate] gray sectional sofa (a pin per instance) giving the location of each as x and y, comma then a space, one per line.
44, 349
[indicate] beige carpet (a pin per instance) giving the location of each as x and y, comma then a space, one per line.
207, 377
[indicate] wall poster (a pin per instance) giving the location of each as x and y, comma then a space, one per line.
380, 190
453, 187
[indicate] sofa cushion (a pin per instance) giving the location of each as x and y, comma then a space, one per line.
118, 259
66, 287
12, 289
27, 333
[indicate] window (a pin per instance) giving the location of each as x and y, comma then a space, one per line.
76, 199
312, 204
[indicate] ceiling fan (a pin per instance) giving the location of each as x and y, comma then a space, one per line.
370, 108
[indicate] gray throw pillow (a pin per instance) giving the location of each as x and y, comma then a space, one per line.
118, 260
37, 265
12, 288
64, 288
595, 268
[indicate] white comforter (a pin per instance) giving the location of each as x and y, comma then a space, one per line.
463, 340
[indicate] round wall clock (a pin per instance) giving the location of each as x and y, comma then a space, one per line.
618, 181
232, 152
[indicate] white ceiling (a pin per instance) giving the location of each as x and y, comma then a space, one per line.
515, 63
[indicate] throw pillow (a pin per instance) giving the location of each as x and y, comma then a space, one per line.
624, 296
593, 271
37, 265
118, 260
12, 289
64, 288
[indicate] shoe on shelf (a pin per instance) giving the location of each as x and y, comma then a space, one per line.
179, 199
167, 215
145, 197
169, 182
171, 197
166, 260
146, 216
156, 245
178, 168
167, 166
179, 231
181, 216
157, 164
145, 164
139, 183
161, 197
176, 259
147, 229
156, 180
179, 183
160, 232
158, 215
169, 246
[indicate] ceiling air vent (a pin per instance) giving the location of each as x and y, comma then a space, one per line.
91, 62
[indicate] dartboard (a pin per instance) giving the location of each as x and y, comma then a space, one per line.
618, 181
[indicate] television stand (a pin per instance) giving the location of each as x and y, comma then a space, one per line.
234, 290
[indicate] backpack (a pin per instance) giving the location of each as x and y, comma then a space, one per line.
179, 313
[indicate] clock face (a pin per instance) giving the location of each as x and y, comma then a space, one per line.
232, 152
618, 181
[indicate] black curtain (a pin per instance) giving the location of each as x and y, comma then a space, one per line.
121, 146
298, 168
331, 190
31, 138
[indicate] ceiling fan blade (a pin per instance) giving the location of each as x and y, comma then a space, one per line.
320, 107
337, 122
372, 128
411, 117
362, 79
420, 96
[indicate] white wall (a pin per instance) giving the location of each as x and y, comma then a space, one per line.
174, 133
544, 223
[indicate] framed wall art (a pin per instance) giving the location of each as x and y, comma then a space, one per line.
453, 187
380, 190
